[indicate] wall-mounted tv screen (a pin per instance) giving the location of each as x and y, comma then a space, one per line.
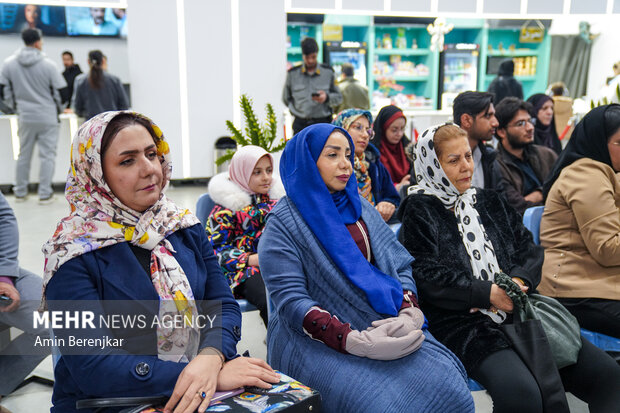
96, 21
14, 18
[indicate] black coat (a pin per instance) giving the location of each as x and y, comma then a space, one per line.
447, 288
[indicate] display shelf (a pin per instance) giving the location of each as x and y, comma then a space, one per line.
402, 52
413, 55
508, 53
402, 78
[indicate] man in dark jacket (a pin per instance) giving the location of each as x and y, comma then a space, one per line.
505, 84
474, 113
524, 165
70, 73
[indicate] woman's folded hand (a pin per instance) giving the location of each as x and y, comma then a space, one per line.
383, 342
246, 371
412, 318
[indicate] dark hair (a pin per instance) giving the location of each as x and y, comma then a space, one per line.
558, 88
68, 53
508, 108
31, 36
470, 103
95, 76
348, 70
121, 122
612, 120
309, 46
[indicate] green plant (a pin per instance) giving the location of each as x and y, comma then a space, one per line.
605, 101
256, 134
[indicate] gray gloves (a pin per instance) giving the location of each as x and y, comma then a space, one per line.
390, 339
412, 318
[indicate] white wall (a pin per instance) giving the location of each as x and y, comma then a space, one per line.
115, 49
216, 67
604, 47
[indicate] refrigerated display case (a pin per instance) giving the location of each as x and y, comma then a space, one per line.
338, 53
458, 71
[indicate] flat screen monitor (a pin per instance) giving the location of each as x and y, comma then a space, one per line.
14, 18
96, 21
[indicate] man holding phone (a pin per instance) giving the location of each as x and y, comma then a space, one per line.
21, 292
310, 91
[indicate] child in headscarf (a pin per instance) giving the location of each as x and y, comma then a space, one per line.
373, 180
243, 196
345, 302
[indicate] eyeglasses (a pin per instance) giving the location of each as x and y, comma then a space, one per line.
361, 129
521, 123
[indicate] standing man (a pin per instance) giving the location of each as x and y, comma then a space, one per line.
474, 113
354, 94
310, 91
32, 82
71, 71
524, 165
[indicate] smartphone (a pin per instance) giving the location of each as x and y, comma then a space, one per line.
315, 94
5, 301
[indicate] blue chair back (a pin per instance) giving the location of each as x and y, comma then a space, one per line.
203, 208
531, 220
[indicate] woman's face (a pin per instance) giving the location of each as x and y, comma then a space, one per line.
457, 162
334, 164
613, 145
260, 181
132, 168
31, 13
545, 114
359, 131
395, 132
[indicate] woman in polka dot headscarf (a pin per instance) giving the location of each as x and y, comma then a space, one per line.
461, 238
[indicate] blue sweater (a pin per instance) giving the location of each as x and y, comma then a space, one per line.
299, 275
114, 273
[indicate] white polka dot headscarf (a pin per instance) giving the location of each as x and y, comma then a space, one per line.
432, 180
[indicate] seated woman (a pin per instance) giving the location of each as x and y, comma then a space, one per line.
580, 228
390, 139
461, 238
125, 240
545, 133
244, 196
373, 180
346, 320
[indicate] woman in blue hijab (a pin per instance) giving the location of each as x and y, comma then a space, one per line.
346, 318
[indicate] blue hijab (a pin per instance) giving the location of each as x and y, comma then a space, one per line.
327, 214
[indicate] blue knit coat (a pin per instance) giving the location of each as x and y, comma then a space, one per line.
299, 274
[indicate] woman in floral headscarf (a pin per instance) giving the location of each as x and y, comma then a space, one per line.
373, 180
125, 240
462, 238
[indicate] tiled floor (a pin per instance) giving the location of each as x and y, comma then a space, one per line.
37, 224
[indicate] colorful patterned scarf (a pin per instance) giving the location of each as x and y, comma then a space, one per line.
99, 219
364, 184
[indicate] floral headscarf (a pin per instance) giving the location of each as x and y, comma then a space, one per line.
364, 184
432, 180
99, 219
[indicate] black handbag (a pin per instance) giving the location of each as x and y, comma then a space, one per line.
530, 343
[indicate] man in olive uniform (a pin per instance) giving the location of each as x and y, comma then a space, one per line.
310, 91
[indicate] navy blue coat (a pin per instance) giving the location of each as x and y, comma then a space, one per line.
114, 273
382, 187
